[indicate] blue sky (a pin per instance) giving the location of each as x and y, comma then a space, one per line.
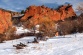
18, 5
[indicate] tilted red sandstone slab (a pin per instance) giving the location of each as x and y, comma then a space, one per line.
5, 20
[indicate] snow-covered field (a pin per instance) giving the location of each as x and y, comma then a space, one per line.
62, 45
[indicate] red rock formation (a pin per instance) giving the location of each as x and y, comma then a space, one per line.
37, 13
66, 11
5, 20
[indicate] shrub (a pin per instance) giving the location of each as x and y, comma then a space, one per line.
71, 26
10, 32
48, 28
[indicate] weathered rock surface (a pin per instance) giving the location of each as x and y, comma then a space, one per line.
39, 13
5, 20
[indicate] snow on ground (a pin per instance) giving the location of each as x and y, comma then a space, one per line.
62, 45
21, 30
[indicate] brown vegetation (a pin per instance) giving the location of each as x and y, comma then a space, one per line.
71, 26
48, 28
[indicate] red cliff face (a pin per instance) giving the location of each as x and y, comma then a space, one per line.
5, 20
66, 11
37, 13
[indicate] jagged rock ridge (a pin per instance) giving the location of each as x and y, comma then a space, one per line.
37, 13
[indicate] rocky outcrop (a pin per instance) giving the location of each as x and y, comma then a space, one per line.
15, 13
66, 11
5, 20
39, 13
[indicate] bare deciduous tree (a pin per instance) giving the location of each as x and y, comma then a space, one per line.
48, 27
80, 7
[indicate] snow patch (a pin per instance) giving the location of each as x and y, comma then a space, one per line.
21, 30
